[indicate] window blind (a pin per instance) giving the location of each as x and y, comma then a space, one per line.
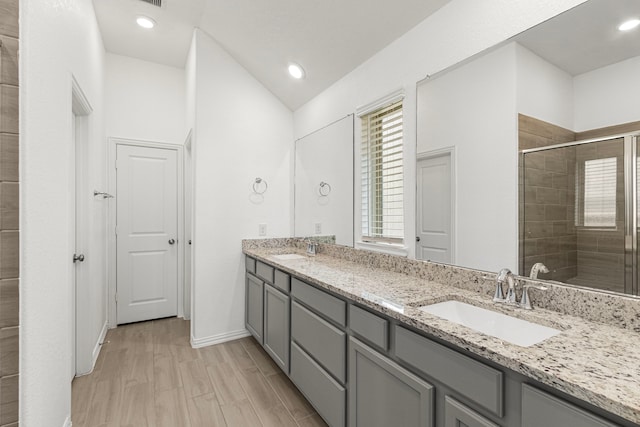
382, 175
598, 193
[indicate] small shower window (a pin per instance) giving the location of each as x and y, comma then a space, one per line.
596, 193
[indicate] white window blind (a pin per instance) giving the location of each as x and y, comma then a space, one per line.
598, 193
382, 175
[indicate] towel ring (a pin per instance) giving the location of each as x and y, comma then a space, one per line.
256, 186
324, 189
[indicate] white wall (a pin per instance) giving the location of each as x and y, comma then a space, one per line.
607, 96
544, 90
458, 30
325, 156
57, 39
472, 108
242, 132
144, 100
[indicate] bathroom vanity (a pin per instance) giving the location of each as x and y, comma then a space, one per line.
347, 328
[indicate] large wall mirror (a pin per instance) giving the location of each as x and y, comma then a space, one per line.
538, 138
324, 182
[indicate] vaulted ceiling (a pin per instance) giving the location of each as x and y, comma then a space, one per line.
328, 38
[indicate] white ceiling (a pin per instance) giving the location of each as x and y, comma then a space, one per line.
589, 34
329, 38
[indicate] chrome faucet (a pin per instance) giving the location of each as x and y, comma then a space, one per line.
312, 248
505, 275
525, 302
538, 267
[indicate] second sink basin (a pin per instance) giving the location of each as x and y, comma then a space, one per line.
507, 328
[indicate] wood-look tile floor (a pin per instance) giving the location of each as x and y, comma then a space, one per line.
147, 374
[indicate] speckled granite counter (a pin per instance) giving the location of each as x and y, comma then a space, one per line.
595, 362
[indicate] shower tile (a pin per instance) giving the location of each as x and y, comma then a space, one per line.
537, 229
560, 181
8, 399
555, 162
560, 229
533, 212
548, 245
9, 18
530, 247
555, 213
9, 258
9, 303
8, 351
538, 177
548, 196
8, 109
8, 157
9, 205
9, 60
534, 160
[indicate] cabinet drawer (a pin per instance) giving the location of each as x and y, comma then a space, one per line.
475, 380
250, 264
373, 328
325, 342
383, 394
264, 271
542, 409
282, 281
324, 393
456, 415
325, 304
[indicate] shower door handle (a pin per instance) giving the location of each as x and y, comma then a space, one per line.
78, 258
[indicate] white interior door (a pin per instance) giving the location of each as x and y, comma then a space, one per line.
434, 239
147, 233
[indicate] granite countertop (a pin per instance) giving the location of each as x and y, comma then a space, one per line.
594, 362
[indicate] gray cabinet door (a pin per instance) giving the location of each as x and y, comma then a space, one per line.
253, 315
276, 326
542, 409
458, 415
382, 393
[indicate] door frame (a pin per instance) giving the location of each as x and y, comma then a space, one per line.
81, 342
111, 221
446, 151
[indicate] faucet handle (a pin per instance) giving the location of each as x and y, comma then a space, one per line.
498, 296
525, 301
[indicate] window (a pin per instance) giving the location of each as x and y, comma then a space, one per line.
382, 175
596, 204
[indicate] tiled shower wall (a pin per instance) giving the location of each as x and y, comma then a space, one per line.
9, 213
547, 204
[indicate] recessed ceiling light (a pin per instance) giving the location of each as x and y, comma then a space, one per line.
296, 71
629, 25
146, 22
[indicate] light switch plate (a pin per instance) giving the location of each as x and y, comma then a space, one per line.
318, 227
262, 229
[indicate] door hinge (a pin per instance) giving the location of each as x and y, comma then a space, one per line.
116, 297
116, 230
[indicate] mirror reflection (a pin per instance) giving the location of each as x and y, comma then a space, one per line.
523, 190
324, 182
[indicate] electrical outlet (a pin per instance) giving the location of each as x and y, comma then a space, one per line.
262, 229
318, 227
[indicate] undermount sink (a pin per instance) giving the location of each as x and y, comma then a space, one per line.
289, 256
507, 328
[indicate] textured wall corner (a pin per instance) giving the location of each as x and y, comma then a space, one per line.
9, 191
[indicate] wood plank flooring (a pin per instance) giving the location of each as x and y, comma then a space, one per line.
148, 375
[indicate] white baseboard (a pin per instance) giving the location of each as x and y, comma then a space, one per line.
67, 422
96, 349
218, 339
98, 346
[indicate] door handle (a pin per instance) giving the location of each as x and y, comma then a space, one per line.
417, 238
171, 241
77, 258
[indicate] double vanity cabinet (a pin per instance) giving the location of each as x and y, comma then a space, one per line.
360, 367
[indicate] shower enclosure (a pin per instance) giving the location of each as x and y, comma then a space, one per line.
579, 212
